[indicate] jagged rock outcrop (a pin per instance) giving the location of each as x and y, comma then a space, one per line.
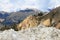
49, 19
30, 21
53, 17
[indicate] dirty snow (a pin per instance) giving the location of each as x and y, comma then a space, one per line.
37, 33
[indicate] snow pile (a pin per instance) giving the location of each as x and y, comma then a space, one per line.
37, 33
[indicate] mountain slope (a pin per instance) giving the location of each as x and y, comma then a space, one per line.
18, 16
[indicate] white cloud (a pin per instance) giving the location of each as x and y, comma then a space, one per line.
8, 6
5, 5
14, 5
54, 4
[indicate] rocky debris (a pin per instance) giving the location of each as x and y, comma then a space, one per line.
37, 33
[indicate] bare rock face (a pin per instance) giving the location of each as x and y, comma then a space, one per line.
56, 17
30, 21
48, 20
52, 18
57, 25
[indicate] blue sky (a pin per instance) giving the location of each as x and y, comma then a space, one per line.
15, 5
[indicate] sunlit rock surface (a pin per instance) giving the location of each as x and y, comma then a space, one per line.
37, 33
